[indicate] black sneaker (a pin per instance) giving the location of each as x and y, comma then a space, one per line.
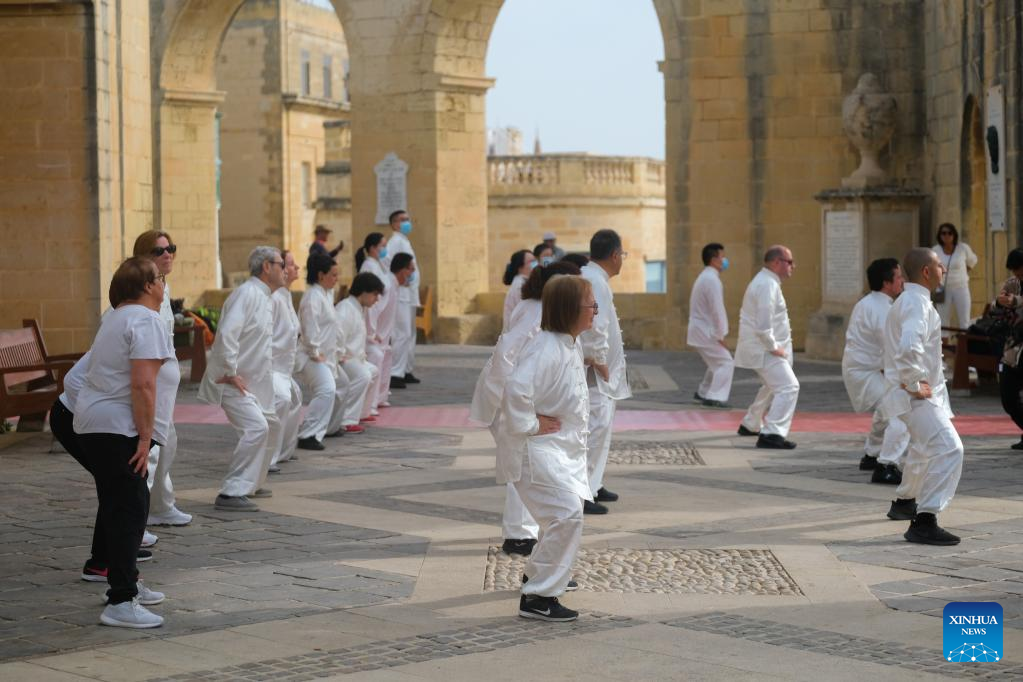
522, 547
868, 463
410, 378
743, 431
903, 510
593, 508
925, 530
888, 474
605, 495
1017, 446
773, 441
143, 555
572, 585
545, 608
697, 397
310, 443
336, 434
397, 382
720, 404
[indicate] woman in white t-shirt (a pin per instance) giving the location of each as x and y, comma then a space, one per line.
125, 407
958, 259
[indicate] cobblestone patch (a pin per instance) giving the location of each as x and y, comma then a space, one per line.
842, 645
654, 452
659, 571
483, 638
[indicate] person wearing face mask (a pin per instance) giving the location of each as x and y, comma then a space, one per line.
404, 342
370, 258
515, 275
708, 327
544, 254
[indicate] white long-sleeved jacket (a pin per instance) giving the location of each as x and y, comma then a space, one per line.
912, 352
242, 345
512, 299
603, 342
548, 379
763, 322
286, 328
708, 321
524, 324
863, 358
384, 306
319, 328
351, 329
962, 257
399, 243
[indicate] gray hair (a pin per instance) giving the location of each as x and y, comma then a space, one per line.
775, 252
260, 255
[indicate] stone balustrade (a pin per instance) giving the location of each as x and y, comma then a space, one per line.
575, 174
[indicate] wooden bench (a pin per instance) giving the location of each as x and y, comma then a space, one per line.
424, 313
32, 378
958, 345
194, 351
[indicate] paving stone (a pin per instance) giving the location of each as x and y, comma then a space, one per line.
677, 453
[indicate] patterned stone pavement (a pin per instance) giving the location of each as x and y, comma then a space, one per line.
379, 556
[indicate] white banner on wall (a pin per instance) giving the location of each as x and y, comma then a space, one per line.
994, 153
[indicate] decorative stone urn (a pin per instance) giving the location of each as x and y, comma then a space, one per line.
868, 119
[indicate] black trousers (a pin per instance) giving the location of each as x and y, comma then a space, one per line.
1010, 381
62, 426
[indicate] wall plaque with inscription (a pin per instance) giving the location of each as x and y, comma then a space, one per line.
843, 255
392, 189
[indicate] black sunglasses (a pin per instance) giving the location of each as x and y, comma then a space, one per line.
159, 250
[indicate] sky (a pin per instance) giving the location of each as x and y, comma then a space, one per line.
583, 72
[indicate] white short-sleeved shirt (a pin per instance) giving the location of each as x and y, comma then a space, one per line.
73, 382
130, 332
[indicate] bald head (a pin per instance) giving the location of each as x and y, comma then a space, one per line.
922, 267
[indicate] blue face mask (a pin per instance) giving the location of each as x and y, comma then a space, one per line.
383, 253
546, 260
406, 226
724, 263
533, 264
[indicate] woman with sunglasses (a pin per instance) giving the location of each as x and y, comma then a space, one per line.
157, 246
958, 259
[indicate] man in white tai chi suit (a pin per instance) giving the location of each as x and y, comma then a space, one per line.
708, 327
403, 341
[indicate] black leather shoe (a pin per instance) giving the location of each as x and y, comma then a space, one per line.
1017, 446
336, 434
410, 378
310, 443
605, 495
743, 431
903, 510
925, 530
593, 507
868, 463
698, 398
398, 382
522, 547
888, 474
773, 441
720, 404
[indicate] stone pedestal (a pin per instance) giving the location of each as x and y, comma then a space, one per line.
857, 227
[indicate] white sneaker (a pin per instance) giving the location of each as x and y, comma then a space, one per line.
130, 614
148, 539
145, 596
174, 517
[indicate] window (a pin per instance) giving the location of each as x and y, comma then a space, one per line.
655, 277
345, 97
307, 179
305, 73
328, 80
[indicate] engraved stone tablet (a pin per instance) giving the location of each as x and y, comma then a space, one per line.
392, 190
843, 255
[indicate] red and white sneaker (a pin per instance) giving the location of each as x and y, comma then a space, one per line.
94, 575
354, 428
368, 420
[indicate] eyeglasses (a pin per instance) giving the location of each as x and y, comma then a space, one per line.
787, 260
159, 278
623, 254
945, 234
594, 306
160, 250
277, 262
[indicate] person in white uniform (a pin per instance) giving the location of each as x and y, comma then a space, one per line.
765, 346
604, 352
958, 259
404, 340
863, 371
516, 272
284, 348
379, 322
518, 529
317, 366
158, 246
366, 289
708, 327
917, 395
124, 407
239, 378
545, 416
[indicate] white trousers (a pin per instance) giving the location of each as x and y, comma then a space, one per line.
717, 381
256, 429
560, 516
288, 408
360, 375
161, 490
598, 443
403, 343
888, 440
381, 357
958, 300
326, 403
517, 523
935, 459
775, 405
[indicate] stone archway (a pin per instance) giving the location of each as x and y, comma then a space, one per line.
972, 201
